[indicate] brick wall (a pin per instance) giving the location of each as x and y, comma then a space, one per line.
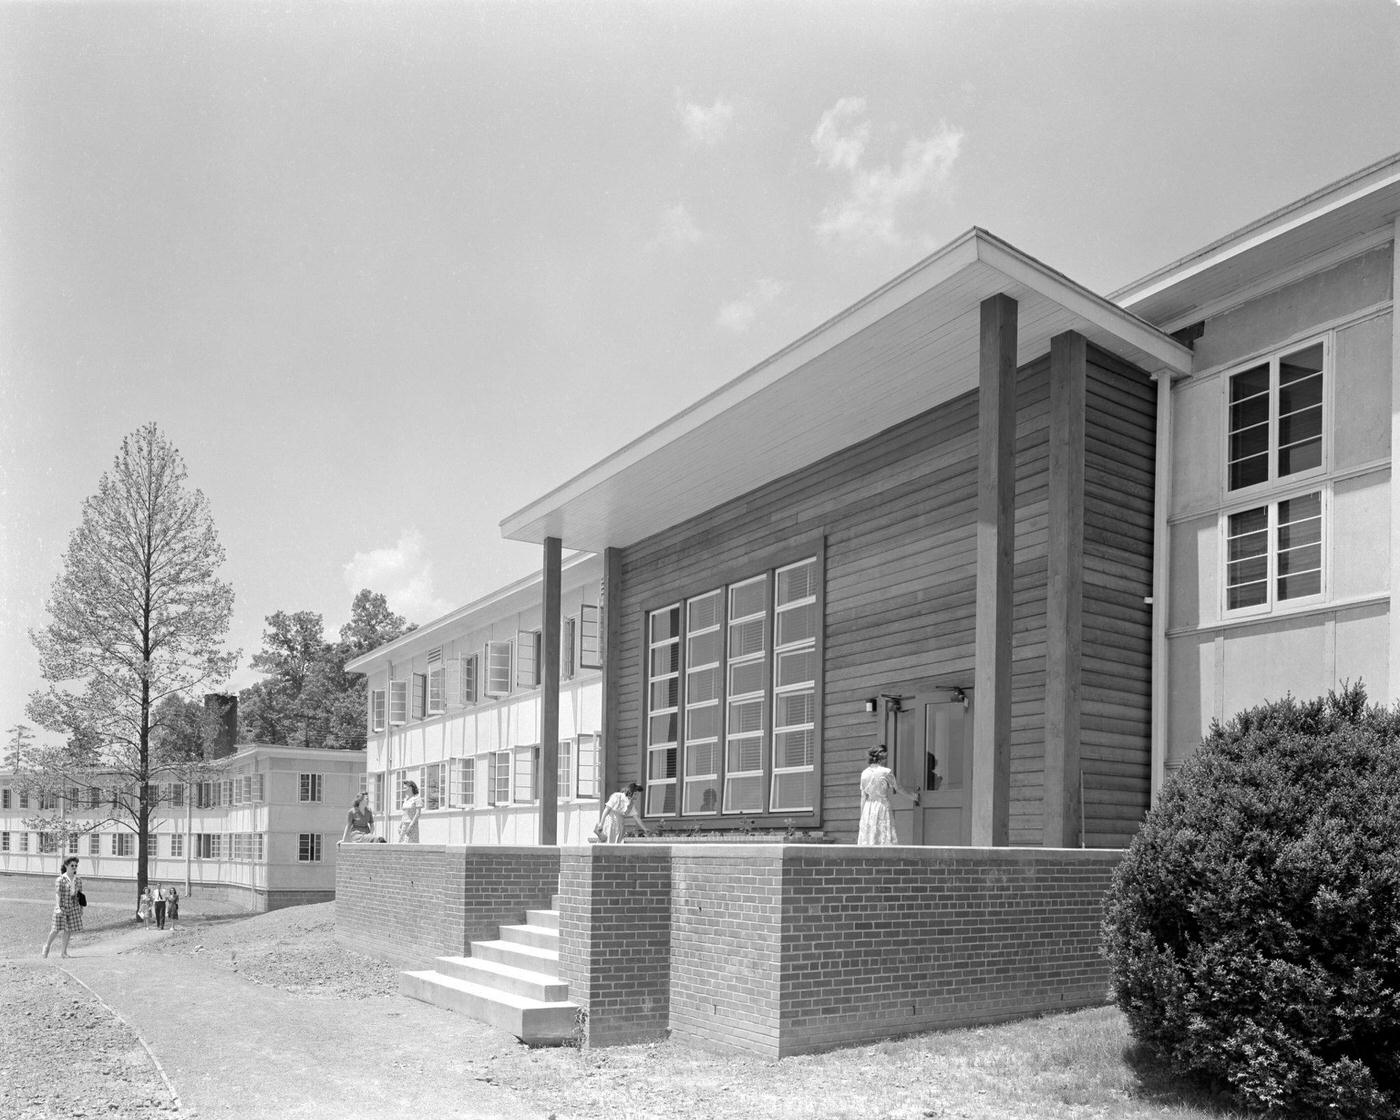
413, 902
726, 946
884, 941
615, 939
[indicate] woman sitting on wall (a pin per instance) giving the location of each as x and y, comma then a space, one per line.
359, 822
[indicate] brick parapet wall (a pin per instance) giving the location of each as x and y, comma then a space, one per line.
412, 902
726, 914
615, 911
885, 941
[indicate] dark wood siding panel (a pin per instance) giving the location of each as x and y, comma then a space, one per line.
1116, 694
899, 517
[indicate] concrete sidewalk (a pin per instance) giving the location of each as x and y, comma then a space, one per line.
235, 1050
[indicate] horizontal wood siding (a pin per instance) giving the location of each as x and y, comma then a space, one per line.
898, 515
1119, 479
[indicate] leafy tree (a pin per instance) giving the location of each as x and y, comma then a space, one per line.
138, 618
306, 698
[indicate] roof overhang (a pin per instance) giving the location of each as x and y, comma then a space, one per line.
905, 348
523, 594
1325, 227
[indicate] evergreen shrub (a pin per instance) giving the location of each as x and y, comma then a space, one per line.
1253, 928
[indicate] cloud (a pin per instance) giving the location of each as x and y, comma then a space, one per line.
402, 573
676, 230
876, 198
738, 315
702, 125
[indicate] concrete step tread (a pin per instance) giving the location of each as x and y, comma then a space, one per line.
520, 949
524, 1003
527, 928
498, 968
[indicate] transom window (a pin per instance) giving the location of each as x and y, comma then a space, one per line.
731, 698
1275, 418
1274, 553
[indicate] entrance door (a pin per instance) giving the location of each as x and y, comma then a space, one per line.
932, 749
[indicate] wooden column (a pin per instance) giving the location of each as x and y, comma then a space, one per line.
549, 696
611, 633
1064, 608
996, 530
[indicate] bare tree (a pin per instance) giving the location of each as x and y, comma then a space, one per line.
18, 749
138, 616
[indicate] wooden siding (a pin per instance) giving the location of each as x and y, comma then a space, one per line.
898, 517
1116, 696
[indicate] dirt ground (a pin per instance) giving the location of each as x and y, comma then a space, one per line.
1066, 1067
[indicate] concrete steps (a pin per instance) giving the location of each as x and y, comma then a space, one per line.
511, 983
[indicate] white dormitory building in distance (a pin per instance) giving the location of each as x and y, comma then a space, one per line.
260, 831
455, 707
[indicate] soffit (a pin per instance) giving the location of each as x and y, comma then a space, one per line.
904, 349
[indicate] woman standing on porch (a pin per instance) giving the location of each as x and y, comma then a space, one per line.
877, 787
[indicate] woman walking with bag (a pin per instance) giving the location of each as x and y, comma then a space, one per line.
67, 906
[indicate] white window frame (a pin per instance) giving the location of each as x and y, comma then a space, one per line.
435, 785
419, 696
309, 847
177, 845
663, 719
437, 683
793, 647
466, 678
588, 775
94, 843
311, 788
527, 659
1273, 360
398, 703
499, 778
590, 636
1272, 604
564, 784
378, 709
497, 657
525, 770
568, 652
462, 787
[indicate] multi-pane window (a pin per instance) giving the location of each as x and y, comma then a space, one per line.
24, 842
94, 844
378, 793
500, 778
565, 771
309, 847
398, 702
48, 843
435, 785
73, 844
177, 796
378, 709
732, 676
497, 658
1274, 553
437, 682
590, 637
463, 788
568, 638
588, 766
1275, 417
4, 841
462, 681
527, 659
526, 763
311, 787
123, 844
177, 845
4, 797
420, 695
663, 708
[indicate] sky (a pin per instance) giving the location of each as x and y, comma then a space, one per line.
386, 273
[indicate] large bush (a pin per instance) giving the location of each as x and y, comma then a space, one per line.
1253, 928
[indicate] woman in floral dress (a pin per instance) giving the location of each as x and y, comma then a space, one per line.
67, 911
877, 787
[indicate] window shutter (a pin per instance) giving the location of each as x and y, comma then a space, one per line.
590, 637
498, 668
567, 641
398, 702
527, 658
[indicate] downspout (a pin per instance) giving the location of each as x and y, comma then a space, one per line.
1161, 581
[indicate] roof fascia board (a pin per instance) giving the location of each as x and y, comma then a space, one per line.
1015, 265
467, 613
1268, 228
1329, 258
927, 274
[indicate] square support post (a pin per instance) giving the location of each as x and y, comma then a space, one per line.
611, 632
549, 697
996, 541
1064, 607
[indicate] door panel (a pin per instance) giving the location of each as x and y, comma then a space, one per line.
932, 749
